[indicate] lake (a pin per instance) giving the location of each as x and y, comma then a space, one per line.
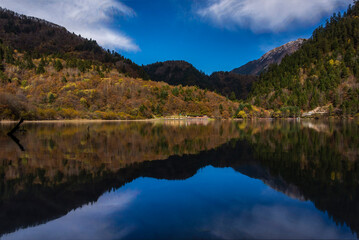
284, 179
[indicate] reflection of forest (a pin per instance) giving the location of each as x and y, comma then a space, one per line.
59, 151
66, 166
319, 158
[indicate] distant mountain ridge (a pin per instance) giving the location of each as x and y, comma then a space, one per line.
274, 56
229, 84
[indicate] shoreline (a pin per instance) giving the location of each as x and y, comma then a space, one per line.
108, 121
162, 119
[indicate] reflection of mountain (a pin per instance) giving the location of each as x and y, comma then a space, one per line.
281, 154
37, 203
82, 147
255, 170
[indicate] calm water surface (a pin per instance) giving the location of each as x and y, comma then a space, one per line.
180, 180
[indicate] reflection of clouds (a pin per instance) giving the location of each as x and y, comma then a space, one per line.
317, 126
185, 122
274, 222
92, 221
280, 185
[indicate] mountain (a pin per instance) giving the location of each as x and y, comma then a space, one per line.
274, 56
232, 85
47, 72
228, 84
175, 73
39, 37
323, 72
52, 88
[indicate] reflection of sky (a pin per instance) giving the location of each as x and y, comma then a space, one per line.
216, 203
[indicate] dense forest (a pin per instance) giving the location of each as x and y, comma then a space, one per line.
229, 84
323, 72
54, 88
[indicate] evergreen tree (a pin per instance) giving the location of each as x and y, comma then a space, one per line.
58, 65
41, 67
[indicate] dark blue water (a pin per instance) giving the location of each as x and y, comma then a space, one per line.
215, 203
220, 193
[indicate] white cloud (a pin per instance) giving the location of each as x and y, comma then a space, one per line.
267, 15
90, 18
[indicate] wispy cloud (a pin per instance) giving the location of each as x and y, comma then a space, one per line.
267, 15
90, 18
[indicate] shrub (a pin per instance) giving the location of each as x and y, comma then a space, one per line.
51, 97
83, 101
277, 114
46, 114
175, 91
242, 115
69, 113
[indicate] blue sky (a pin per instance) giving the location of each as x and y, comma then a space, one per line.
213, 35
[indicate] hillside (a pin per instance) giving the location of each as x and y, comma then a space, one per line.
274, 56
323, 72
53, 88
38, 37
231, 85
175, 73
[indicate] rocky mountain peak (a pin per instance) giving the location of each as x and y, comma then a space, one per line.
274, 56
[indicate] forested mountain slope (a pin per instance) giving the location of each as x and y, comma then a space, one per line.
229, 84
323, 72
55, 88
38, 37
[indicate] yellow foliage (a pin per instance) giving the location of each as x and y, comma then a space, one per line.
277, 114
68, 86
110, 115
334, 62
83, 101
46, 114
69, 113
243, 125
242, 114
255, 109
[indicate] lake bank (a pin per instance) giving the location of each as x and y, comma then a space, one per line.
192, 119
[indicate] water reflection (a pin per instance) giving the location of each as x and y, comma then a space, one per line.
67, 166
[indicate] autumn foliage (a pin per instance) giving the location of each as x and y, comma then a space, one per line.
54, 88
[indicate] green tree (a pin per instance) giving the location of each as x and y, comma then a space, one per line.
41, 67
58, 65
